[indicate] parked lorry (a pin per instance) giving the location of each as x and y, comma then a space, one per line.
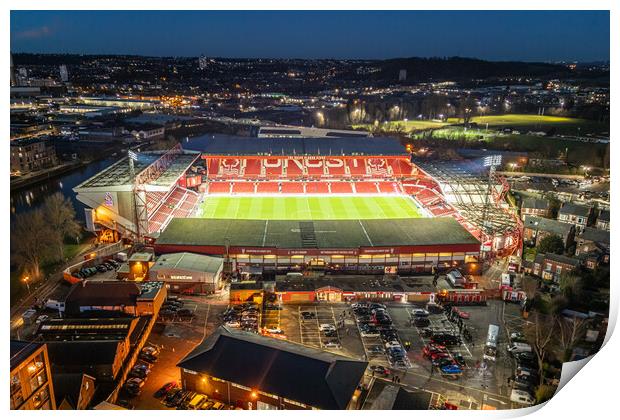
490, 348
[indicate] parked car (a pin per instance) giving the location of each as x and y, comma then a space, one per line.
163, 391
452, 369
326, 327
135, 382
308, 315
381, 370
421, 322
419, 312
460, 313
185, 313
274, 330
522, 397
332, 344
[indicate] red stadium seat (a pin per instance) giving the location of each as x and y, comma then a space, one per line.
252, 168
401, 167
341, 187
317, 188
377, 166
357, 167
295, 168
389, 187
221, 187
240, 187
267, 188
315, 168
292, 188
335, 167
273, 167
366, 187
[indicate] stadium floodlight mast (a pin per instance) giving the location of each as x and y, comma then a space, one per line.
491, 162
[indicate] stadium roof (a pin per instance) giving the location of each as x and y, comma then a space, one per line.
315, 234
300, 373
372, 146
119, 173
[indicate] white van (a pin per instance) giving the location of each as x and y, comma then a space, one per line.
521, 397
519, 348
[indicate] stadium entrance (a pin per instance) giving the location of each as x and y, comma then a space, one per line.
329, 294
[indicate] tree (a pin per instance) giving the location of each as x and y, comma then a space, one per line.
59, 214
544, 393
571, 331
540, 334
30, 242
552, 244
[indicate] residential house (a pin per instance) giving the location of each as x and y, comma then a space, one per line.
602, 221
536, 228
575, 214
551, 266
535, 207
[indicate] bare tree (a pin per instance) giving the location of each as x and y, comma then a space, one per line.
540, 334
60, 216
571, 331
30, 242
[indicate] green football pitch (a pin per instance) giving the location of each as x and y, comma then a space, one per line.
308, 208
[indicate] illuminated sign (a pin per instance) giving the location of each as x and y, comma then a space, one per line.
108, 200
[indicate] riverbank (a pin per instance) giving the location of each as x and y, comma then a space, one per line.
44, 175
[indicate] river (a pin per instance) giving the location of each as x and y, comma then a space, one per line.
30, 198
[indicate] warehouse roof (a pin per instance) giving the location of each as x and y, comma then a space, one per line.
310, 376
189, 261
372, 146
315, 234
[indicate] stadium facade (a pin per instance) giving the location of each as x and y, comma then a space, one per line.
368, 246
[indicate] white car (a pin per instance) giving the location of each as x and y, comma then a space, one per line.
522, 397
370, 334
331, 345
392, 345
327, 327
233, 324
42, 318
274, 330
419, 312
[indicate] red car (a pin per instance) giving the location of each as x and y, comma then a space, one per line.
460, 313
432, 348
439, 355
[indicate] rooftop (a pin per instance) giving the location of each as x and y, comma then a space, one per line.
535, 203
595, 235
575, 209
307, 375
21, 350
372, 146
189, 261
547, 225
327, 234
119, 173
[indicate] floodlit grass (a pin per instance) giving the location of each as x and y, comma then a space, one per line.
308, 208
403, 126
563, 125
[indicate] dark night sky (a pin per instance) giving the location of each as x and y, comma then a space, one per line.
527, 36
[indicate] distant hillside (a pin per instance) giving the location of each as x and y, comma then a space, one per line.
457, 68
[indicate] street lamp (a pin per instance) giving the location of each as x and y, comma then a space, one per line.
26, 279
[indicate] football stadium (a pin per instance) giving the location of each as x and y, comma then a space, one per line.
293, 203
